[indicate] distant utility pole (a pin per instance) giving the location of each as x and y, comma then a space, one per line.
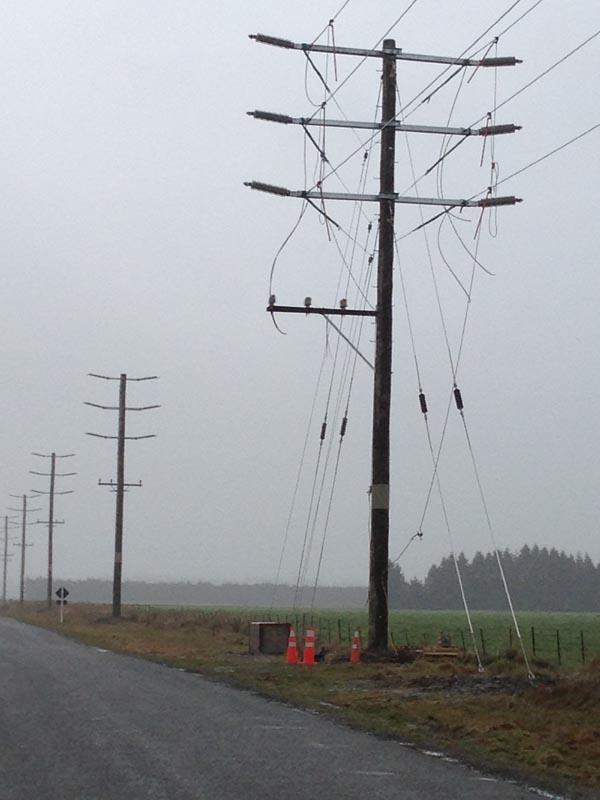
387, 199
119, 486
23, 544
51, 521
6, 556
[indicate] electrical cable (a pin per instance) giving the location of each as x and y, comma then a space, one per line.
341, 439
433, 82
530, 673
375, 46
550, 153
298, 479
426, 420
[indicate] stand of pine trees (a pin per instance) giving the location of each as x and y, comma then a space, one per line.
539, 580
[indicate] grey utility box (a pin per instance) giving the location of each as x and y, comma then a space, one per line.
270, 638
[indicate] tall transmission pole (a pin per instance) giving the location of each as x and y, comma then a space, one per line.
382, 389
51, 521
6, 556
23, 543
387, 200
120, 486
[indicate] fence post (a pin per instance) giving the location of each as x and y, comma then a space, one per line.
483, 650
510, 641
533, 640
464, 644
349, 633
582, 648
558, 647
339, 630
406, 636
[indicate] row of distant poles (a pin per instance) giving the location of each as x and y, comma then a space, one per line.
118, 486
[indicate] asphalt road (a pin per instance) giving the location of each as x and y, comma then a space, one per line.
79, 723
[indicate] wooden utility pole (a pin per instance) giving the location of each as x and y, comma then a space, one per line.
5, 559
51, 521
387, 199
23, 543
23, 548
119, 486
382, 384
118, 565
5, 556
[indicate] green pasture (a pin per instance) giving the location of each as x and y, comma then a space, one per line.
568, 639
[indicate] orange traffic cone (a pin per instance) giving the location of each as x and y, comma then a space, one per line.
292, 650
309, 647
355, 651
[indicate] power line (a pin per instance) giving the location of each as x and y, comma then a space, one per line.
430, 84
550, 153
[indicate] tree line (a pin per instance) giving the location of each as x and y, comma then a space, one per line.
539, 580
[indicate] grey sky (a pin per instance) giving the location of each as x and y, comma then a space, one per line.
129, 243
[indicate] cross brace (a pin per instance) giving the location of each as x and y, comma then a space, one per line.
377, 198
284, 119
397, 52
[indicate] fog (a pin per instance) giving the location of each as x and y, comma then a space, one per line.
130, 244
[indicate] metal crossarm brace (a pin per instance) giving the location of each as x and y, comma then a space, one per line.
376, 198
397, 52
284, 119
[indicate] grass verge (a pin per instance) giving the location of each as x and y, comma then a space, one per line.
547, 733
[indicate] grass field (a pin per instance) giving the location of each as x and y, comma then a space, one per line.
565, 639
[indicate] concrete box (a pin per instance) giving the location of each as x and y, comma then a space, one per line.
270, 638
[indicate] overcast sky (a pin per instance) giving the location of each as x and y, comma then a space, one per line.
130, 244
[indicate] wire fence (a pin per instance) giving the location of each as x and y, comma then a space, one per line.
563, 645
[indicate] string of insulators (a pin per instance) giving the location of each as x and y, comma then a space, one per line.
458, 398
323, 430
343, 428
423, 402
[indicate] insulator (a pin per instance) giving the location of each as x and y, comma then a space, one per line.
423, 402
343, 428
308, 302
343, 303
458, 398
323, 430
272, 299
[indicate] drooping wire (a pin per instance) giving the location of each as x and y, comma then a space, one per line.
315, 514
361, 300
403, 110
495, 545
298, 478
361, 61
501, 105
341, 437
545, 72
424, 410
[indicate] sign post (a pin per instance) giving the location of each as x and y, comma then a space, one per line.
62, 595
